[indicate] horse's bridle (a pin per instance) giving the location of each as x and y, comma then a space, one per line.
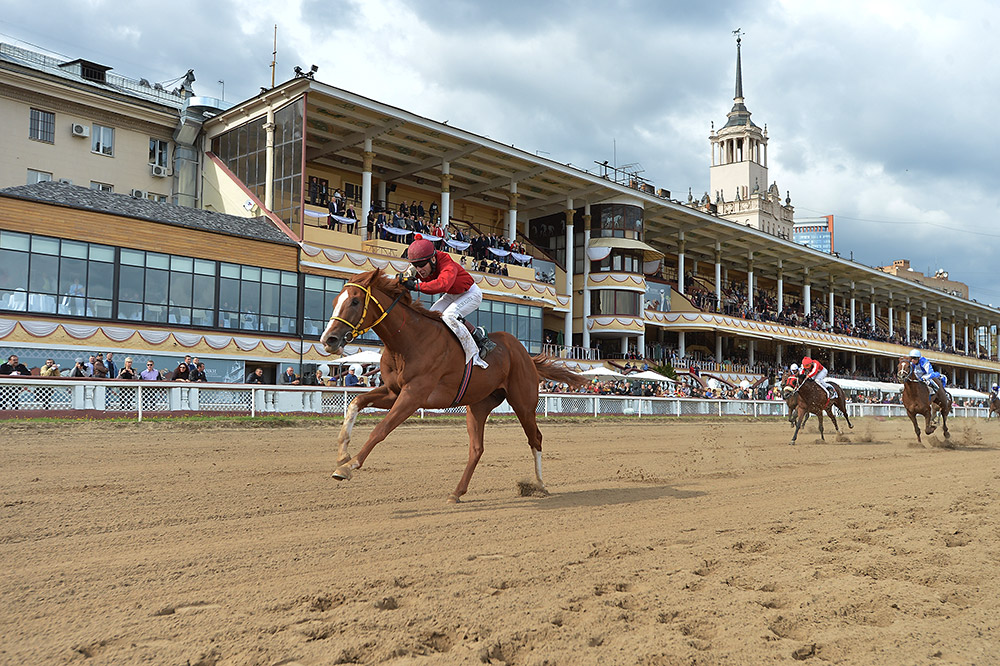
356, 329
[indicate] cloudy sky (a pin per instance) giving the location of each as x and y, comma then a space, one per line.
881, 112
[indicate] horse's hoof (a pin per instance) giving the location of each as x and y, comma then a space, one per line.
342, 473
792, 443
454, 499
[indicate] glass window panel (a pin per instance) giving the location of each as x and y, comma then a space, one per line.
182, 264
130, 283
201, 317
289, 279
42, 303
229, 320
250, 297
229, 271
156, 287
42, 277
334, 284
510, 308
269, 324
133, 257
314, 282
286, 325
102, 253
10, 240
13, 271
523, 331
204, 292
524, 310
249, 321
99, 308
129, 311
229, 294
180, 289
179, 315
251, 273
270, 295
314, 305
155, 313
40, 245
72, 286
270, 276
154, 260
288, 301
204, 267
312, 327
74, 249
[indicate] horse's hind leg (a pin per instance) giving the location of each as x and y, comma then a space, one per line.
525, 410
820, 417
475, 423
833, 419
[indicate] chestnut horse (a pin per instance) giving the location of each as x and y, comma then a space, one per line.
813, 399
423, 366
917, 400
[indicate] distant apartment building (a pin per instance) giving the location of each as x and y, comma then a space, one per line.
901, 268
814, 232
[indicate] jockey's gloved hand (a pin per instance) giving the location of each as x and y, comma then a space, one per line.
410, 283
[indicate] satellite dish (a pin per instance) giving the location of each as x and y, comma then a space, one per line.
249, 205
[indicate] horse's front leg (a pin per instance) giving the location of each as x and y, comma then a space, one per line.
929, 422
916, 428
800, 420
409, 401
379, 397
819, 416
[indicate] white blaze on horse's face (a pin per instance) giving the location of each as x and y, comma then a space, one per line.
339, 306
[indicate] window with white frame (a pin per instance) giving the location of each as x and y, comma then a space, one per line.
38, 176
159, 198
42, 126
102, 140
159, 152
101, 187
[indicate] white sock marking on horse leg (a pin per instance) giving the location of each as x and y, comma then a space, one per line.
538, 467
345, 430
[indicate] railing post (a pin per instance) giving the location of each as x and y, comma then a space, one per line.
595, 406
546, 406
138, 397
253, 403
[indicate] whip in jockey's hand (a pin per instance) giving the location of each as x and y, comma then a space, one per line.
408, 282
438, 273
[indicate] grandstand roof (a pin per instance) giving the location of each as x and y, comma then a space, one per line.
83, 198
410, 149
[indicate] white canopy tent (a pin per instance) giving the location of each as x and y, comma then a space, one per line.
886, 387
601, 372
362, 357
649, 375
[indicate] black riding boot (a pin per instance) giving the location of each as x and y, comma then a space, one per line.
483, 341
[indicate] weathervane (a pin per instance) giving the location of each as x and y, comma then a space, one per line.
739, 33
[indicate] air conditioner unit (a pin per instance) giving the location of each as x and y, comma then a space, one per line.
80, 130
139, 194
65, 181
159, 171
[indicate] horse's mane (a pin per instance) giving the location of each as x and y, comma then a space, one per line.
392, 288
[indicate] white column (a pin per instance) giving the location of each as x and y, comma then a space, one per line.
624, 344
854, 362
833, 357
779, 348
923, 324
584, 331
750, 283
908, 321
806, 296
852, 304
937, 325
718, 347
751, 347
718, 273
891, 315
445, 194
966, 347
568, 326
512, 212
269, 161
781, 289
874, 309
382, 195
681, 344
830, 307
680, 261
953, 329
366, 188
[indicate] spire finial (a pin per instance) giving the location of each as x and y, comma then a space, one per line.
739, 69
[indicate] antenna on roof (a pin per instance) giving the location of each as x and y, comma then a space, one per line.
274, 54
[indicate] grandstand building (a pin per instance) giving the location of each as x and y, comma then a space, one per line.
231, 254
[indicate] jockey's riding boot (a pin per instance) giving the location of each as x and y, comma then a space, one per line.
483, 341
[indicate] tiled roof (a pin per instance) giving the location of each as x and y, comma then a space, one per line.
74, 196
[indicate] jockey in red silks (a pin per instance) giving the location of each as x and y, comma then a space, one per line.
816, 372
438, 273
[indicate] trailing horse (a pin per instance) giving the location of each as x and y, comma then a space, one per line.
994, 407
423, 366
813, 399
917, 400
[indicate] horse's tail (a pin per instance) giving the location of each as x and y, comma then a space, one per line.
547, 368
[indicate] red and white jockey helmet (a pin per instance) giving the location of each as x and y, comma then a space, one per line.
420, 249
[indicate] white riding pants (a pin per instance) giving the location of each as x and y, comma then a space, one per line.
453, 306
820, 379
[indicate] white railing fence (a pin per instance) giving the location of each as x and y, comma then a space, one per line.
38, 397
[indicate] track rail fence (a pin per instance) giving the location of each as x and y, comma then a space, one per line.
76, 398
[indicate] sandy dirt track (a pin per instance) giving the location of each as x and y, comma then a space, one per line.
662, 544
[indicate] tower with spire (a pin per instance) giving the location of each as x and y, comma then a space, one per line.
738, 175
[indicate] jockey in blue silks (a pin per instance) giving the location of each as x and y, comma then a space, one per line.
925, 372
